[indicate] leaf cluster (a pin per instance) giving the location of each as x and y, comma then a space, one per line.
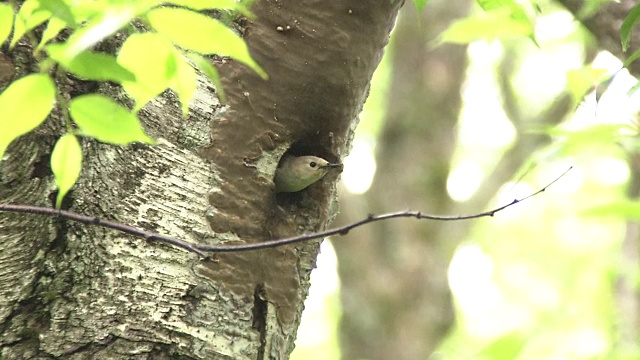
504, 19
148, 63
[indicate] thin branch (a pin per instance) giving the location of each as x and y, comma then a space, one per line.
92, 220
202, 249
344, 230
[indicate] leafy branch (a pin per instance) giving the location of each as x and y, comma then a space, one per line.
165, 57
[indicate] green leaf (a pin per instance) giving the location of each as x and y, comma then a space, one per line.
580, 81
24, 105
6, 21
494, 4
150, 58
213, 4
91, 65
104, 119
184, 81
202, 34
210, 71
590, 7
629, 210
66, 162
29, 16
84, 12
633, 17
420, 4
492, 24
59, 9
600, 136
606, 133
519, 8
632, 58
119, 15
633, 89
54, 26
508, 346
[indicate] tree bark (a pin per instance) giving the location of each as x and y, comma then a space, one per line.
74, 291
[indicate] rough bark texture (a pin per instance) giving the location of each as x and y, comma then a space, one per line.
80, 292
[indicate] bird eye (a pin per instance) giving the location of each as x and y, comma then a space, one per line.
313, 164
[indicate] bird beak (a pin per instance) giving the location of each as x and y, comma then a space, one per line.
331, 165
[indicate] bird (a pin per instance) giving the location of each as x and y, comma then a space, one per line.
296, 173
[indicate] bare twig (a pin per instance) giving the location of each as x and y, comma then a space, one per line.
202, 249
92, 220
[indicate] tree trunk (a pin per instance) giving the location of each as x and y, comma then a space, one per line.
396, 298
76, 291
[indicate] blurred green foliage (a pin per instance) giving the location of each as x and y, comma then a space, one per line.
550, 277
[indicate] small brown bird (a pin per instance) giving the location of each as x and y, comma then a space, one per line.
296, 173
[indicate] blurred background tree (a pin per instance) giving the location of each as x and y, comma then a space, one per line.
458, 129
